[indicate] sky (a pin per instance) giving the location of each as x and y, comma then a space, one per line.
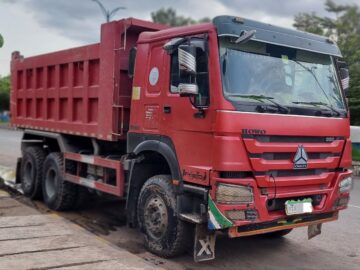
40, 26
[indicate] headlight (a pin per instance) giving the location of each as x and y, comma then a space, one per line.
234, 194
345, 184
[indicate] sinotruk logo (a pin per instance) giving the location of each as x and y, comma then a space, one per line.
301, 158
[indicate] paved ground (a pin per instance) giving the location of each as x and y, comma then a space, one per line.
32, 240
338, 247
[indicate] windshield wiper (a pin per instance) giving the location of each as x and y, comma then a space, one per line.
315, 77
314, 103
280, 107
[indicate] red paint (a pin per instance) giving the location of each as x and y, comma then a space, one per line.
117, 189
84, 91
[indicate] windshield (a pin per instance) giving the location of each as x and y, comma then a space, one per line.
269, 78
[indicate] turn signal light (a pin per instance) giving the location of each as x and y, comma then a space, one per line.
346, 184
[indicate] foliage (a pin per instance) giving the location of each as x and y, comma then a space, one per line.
4, 93
168, 16
1, 41
343, 25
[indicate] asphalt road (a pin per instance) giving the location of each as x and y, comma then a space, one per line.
338, 247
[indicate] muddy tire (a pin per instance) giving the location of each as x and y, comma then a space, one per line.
165, 234
278, 234
31, 171
58, 194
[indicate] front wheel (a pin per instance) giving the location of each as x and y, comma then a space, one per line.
165, 234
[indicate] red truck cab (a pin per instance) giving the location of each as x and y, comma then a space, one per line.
234, 126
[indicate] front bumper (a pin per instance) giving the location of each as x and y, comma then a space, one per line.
281, 224
267, 220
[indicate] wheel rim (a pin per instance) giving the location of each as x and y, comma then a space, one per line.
50, 182
155, 217
28, 175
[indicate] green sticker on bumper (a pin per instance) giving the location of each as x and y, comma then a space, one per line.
216, 219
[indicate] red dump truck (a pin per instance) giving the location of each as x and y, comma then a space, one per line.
232, 126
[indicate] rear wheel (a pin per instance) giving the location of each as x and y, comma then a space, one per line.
58, 194
165, 234
32, 171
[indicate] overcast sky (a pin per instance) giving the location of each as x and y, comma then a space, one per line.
39, 26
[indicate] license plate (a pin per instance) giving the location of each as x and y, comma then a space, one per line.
298, 207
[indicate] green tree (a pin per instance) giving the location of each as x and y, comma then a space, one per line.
1, 41
4, 93
343, 26
168, 16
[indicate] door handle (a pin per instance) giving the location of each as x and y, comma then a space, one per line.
167, 109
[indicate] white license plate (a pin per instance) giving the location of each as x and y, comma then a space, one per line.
295, 208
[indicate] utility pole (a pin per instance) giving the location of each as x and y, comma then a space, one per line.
108, 14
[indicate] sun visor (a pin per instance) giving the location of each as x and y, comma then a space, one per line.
233, 26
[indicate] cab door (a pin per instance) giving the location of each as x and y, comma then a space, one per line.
188, 120
152, 101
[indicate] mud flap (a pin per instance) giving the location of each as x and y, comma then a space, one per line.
204, 244
18, 171
314, 230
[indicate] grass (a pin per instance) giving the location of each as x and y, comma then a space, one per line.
356, 154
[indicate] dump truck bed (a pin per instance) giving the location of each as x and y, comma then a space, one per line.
82, 91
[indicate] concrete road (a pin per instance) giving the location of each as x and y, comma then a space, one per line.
31, 240
338, 247
9, 147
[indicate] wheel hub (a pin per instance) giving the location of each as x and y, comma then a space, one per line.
155, 217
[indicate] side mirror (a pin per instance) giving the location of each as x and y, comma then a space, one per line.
187, 70
132, 57
187, 60
188, 89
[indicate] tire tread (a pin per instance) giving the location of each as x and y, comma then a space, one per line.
183, 232
39, 155
66, 191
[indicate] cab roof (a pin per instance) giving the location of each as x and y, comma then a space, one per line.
230, 25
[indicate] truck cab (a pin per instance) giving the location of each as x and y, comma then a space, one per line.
255, 117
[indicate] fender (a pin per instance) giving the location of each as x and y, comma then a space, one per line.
138, 143
165, 150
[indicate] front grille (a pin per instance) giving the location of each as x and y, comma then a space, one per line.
272, 156
293, 139
285, 173
285, 156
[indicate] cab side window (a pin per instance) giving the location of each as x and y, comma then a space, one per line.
202, 76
